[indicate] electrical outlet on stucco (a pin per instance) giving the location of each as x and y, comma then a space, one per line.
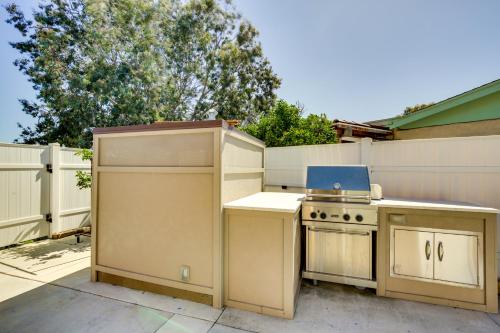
184, 272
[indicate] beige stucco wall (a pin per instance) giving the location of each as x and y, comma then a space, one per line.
476, 128
157, 203
262, 261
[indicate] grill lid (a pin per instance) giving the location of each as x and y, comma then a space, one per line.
343, 177
338, 183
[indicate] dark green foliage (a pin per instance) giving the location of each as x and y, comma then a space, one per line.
83, 178
410, 109
285, 126
96, 63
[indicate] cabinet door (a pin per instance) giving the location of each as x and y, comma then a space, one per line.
456, 258
412, 253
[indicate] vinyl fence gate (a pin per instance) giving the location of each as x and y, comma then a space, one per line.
38, 192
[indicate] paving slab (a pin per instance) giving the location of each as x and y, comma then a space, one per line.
54, 309
48, 289
333, 307
65, 263
11, 286
495, 316
80, 280
38, 258
183, 324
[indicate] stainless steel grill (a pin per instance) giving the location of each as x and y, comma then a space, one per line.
340, 225
338, 184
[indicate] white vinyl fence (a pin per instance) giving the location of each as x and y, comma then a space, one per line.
450, 169
38, 193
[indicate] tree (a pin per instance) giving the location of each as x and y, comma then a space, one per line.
96, 63
417, 107
285, 126
84, 178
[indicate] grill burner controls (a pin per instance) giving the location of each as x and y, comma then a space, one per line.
339, 213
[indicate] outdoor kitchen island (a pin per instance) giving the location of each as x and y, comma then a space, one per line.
437, 252
262, 253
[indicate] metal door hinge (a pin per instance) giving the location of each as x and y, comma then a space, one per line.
49, 168
48, 217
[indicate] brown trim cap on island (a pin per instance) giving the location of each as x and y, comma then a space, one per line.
162, 125
174, 125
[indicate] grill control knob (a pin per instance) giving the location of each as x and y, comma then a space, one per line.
359, 218
346, 217
313, 215
322, 215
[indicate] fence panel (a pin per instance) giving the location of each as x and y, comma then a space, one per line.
287, 165
453, 169
74, 204
24, 192
28, 192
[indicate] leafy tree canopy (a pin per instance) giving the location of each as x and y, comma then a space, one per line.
84, 178
410, 109
285, 126
96, 63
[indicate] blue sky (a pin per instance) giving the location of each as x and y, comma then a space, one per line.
354, 60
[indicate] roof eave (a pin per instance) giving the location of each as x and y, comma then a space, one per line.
449, 103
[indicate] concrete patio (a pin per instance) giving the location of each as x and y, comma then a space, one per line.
45, 287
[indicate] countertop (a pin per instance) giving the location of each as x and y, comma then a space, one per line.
291, 202
435, 205
268, 201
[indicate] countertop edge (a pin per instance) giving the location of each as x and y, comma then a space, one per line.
468, 209
261, 209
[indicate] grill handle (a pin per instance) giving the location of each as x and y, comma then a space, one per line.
336, 231
338, 196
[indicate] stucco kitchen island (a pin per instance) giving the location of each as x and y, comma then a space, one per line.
157, 196
262, 253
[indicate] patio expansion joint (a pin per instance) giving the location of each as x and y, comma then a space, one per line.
225, 325
169, 319
61, 264
17, 268
489, 316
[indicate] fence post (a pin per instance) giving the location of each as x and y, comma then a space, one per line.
366, 152
55, 188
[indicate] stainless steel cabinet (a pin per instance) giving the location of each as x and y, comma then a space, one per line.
458, 269
413, 253
456, 258
436, 255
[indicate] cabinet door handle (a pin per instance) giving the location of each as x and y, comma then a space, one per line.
440, 251
427, 249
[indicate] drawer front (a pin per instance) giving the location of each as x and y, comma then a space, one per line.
456, 258
412, 253
345, 252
